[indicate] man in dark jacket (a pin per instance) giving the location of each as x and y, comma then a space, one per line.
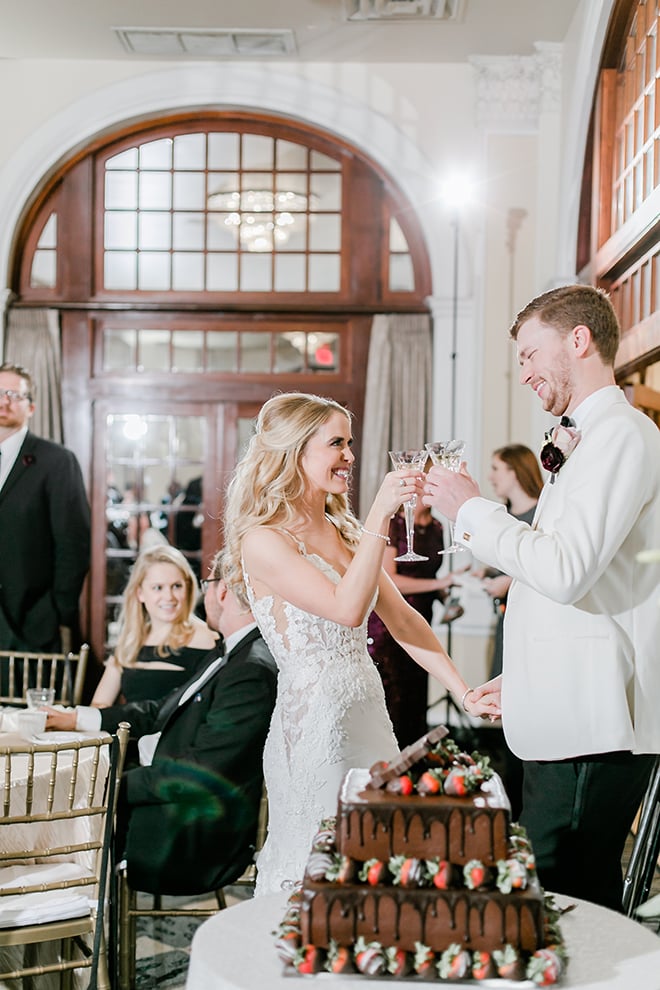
189, 811
44, 527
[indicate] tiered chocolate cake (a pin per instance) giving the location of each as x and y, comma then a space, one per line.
423, 873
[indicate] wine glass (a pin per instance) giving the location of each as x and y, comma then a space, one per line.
448, 453
405, 459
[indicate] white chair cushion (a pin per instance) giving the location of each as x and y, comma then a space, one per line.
18, 910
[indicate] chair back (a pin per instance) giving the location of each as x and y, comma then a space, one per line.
64, 672
57, 806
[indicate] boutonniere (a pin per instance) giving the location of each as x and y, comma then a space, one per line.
560, 443
28, 459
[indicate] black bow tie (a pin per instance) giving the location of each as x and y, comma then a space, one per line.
566, 421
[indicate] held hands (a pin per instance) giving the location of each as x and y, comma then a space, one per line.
447, 490
497, 587
485, 701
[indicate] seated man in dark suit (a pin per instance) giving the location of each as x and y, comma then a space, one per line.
189, 811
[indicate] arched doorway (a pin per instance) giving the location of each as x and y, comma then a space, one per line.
199, 263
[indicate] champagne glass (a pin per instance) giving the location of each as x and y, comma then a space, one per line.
448, 453
405, 459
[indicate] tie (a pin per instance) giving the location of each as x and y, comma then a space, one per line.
566, 421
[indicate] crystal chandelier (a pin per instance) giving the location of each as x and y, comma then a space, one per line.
263, 217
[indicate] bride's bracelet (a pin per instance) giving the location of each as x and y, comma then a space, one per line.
465, 694
370, 532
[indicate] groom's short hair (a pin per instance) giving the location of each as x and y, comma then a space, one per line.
571, 306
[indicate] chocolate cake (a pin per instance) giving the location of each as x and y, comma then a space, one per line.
423, 873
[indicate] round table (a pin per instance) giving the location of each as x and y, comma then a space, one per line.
235, 950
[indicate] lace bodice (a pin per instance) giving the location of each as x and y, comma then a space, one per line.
330, 715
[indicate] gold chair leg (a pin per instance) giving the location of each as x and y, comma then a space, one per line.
127, 934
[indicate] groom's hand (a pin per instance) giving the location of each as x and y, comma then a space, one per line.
447, 490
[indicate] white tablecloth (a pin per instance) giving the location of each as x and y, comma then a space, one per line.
235, 950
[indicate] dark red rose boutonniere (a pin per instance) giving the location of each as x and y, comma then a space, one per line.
28, 459
558, 447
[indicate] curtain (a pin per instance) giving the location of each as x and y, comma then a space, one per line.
397, 408
32, 339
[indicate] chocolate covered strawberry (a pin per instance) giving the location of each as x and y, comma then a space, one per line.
308, 959
509, 964
441, 873
401, 785
476, 875
430, 783
423, 960
454, 963
483, 967
407, 872
545, 967
319, 865
512, 874
339, 959
373, 872
369, 957
287, 943
343, 869
324, 840
457, 782
398, 962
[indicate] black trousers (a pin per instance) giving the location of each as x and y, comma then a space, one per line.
578, 815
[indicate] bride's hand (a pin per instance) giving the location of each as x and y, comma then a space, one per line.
398, 487
485, 705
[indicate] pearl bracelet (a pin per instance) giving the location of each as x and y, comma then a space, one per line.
370, 532
469, 690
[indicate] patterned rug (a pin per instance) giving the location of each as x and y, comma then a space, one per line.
163, 944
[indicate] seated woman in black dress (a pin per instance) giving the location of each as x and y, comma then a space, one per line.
161, 641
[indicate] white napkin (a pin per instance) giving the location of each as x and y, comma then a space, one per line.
24, 723
17, 910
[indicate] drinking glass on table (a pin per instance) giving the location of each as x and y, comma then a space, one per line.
38, 697
409, 459
448, 454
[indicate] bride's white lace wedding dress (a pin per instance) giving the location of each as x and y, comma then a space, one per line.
330, 715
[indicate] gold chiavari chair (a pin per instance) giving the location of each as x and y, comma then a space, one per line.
129, 911
64, 672
643, 862
57, 807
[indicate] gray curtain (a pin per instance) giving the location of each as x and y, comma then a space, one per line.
397, 408
32, 339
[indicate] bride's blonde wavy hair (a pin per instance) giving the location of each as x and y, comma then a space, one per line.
268, 482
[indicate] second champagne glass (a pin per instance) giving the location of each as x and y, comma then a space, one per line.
409, 459
448, 453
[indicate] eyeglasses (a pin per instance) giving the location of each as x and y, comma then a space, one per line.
11, 396
205, 582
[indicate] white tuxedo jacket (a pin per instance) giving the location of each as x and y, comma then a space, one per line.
582, 626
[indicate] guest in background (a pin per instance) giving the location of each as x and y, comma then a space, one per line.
161, 642
44, 528
515, 477
187, 816
404, 681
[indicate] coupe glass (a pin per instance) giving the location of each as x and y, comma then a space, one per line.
448, 453
409, 459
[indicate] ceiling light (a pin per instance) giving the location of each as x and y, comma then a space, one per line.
264, 218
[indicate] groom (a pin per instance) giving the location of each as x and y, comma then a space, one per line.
581, 677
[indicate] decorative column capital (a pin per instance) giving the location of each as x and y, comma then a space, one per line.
514, 90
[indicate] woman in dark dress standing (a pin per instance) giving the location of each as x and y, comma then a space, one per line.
515, 477
405, 682
161, 641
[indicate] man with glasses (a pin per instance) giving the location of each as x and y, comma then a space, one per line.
44, 527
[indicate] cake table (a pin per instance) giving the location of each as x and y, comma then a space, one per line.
235, 950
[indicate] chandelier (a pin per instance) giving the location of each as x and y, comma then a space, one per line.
263, 217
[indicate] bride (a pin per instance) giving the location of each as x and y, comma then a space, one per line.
312, 575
